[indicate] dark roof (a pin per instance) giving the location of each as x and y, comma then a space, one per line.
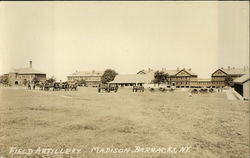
235, 71
169, 72
27, 71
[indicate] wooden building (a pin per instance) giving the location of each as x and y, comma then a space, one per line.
92, 78
128, 80
201, 83
218, 77
241, 85
179, 78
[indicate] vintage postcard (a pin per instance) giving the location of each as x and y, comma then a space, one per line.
124, 79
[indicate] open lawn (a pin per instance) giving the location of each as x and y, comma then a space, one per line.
212, 125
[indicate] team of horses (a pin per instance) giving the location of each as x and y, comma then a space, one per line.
70, 86
55, 86
138, 88
107, 88
202, 90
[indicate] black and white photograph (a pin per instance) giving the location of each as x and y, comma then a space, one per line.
124, 79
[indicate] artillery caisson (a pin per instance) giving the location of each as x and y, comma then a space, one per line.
107, 88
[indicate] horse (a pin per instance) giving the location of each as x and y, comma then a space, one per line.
203, 90
107, 88
138, 88
72, 86
56, 86
194, 91
211, 90
65, 86
40, 85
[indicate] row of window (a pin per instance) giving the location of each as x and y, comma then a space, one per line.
180, 83
179, 78
218, 78
84, 78
218, 82
25, 76
202, 83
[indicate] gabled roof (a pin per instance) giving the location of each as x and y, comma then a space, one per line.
169, 72
242, 79
133, 78
27, 71
145, 71
87, 73
188, 71
234, 71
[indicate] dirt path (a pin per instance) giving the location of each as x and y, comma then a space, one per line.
230, 95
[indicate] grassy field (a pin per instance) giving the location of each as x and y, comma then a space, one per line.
211, 124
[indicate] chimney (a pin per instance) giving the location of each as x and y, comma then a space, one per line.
228, 67
178, 69
189, 69
30, 64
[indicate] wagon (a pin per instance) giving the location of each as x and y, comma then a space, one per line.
138, 88
107, 88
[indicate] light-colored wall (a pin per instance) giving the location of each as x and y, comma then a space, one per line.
86, 78
246, 90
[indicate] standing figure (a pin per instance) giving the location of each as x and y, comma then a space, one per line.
29, 87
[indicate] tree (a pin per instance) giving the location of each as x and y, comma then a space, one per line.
229, 81
108, 76
160, 77
51, 79
5, 79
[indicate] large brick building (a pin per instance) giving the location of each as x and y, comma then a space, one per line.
21, 76
92, 78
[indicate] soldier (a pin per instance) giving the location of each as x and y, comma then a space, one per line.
29, 87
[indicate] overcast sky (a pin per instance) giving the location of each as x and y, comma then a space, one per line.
62, 37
